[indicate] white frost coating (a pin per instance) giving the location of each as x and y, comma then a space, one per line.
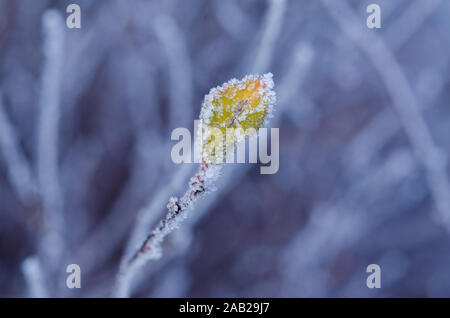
178, 208
48, 133
268, 96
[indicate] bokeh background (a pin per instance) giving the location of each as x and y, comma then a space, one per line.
364, 118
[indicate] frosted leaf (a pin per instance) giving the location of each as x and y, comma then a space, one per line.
245, 104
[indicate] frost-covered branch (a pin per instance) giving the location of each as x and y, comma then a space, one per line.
178, 208
47, 135
50, 112
19, 170
301, 60
149, 214
270, 32
418, 12
256, 98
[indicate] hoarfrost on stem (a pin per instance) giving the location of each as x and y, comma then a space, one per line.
245, 103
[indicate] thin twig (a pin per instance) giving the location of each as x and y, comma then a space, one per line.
52, 243
148, 215
150, 249
19, 169
272, 28
264, 55
302, 58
